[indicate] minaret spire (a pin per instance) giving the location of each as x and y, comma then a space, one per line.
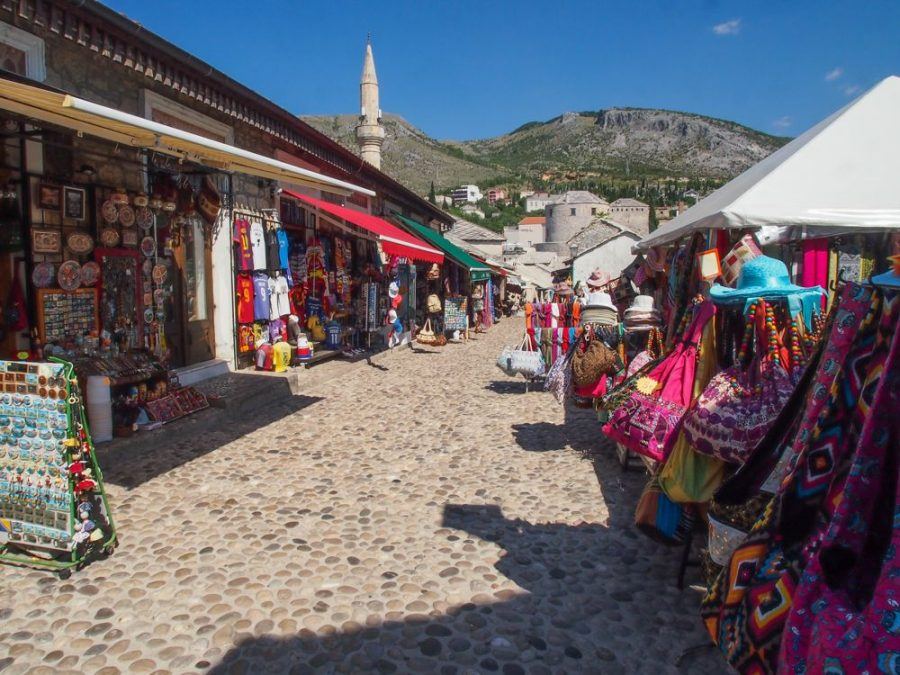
369, 131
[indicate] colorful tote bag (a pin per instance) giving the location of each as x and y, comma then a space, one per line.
746, 608
647, 420
739, 405
660, 518
846, 611
769, 462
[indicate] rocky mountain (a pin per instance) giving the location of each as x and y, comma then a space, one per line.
619, 142
410, 155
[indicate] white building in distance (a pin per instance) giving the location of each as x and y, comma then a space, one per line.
467, 193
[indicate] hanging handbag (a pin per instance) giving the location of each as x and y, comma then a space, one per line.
527, 361
846, 611
433, 304
747, 605
591, 360
660, 518
559, 377
433, 273
647, 420
739, 405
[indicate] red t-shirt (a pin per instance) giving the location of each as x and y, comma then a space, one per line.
247, 339
245, 299
242, 247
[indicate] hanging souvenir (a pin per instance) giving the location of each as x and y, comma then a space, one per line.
144, 217
43, 275
90, 273
80, 243
148, 246
160, 272
109, 237
141, 200
109, 211
69, 275
147, 267
126, 216
119, 197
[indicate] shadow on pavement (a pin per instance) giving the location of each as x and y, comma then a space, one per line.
516, 386
592, 598
257, 401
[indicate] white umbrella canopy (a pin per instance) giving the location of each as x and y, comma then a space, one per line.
842, 175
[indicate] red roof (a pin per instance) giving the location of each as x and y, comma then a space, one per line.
394, 241
533, 220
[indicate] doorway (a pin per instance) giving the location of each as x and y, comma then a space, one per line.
191, 331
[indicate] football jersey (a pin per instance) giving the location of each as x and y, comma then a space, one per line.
261, 296
247, 340
245, 299
281, 357
264, 357
273, 250
242, 249
258, 245
280, 300
283, 247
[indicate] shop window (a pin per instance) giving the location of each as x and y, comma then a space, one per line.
571, 212
22, 53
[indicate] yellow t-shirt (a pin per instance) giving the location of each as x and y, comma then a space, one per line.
281, 357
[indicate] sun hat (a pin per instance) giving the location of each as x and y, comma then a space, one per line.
597, 279
641, 303
768, 278
600, 299
393, 289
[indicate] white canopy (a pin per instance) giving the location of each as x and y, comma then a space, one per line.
842, 175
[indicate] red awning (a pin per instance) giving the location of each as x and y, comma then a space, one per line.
394, 241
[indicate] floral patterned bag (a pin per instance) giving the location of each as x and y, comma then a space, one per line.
647, 420
739, 405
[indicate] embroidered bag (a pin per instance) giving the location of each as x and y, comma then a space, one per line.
559, 377
747, 605
739, 405
647, 420
660, 518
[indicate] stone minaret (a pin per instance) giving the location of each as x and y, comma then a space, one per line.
369, 132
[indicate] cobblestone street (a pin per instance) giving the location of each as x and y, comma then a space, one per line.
417, 513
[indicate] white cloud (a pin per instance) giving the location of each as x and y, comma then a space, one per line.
851, 90
732, 27
783, 122
834, 74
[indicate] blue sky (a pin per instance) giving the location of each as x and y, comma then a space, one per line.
471, 69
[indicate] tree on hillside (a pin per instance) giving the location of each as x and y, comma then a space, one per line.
431, 196
654, 221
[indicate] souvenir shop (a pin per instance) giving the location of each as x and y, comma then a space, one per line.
755, 375
315, 280
451, 294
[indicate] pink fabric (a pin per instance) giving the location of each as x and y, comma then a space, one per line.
592, 390
815, 264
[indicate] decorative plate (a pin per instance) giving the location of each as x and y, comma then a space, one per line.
129, 237
141, 200
148, 315
144, 217
69, 275
109, 237
80, 243
90, 273
148, 299
119, 197
148, 246
159, 274
109, 211
43, 275
146, 287
126, 216
147, 267
159, 297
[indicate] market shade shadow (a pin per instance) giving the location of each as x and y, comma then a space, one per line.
607, 570
256, 402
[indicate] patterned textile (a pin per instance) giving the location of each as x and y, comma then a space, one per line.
846, 611
746, 609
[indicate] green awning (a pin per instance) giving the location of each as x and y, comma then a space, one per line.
477, 270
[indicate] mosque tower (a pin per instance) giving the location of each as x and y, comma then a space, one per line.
369, 131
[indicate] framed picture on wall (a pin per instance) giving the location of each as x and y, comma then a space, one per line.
49, 197
46, 241
74, 203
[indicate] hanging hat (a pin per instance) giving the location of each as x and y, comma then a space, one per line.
656, 260
597, 279
768, 278
641, 303
393, 289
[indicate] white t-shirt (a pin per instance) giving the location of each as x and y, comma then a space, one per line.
279, 304
258, 245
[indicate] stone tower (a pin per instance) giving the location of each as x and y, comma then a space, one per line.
369, 131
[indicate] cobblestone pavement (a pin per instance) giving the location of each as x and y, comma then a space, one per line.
420, 513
